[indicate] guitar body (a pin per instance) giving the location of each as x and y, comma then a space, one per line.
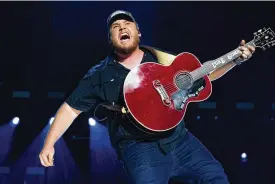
157, 95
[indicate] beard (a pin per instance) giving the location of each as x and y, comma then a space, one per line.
126, 49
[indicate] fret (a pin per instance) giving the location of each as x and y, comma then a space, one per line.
213, 65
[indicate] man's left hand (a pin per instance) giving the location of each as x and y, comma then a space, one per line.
247, 51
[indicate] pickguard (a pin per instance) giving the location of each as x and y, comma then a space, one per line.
181, 96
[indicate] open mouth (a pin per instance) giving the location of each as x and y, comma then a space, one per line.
124, 37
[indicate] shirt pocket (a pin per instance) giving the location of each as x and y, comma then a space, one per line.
111, 88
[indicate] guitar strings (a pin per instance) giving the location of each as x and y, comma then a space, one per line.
193, 73
173, 85
181, 79
170, 87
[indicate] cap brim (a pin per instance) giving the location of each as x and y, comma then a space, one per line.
118, 17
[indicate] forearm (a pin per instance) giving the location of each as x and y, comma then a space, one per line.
221, 71
63, 119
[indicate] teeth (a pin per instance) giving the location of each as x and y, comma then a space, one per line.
123, 34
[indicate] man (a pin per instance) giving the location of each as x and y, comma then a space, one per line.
147, 159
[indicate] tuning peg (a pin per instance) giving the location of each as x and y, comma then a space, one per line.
263, 48
264, 28
260, 31
255, 34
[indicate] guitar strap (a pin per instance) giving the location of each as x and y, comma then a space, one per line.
163, 58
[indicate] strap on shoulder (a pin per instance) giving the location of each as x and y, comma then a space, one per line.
163, 58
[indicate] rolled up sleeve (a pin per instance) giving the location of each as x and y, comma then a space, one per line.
84, 96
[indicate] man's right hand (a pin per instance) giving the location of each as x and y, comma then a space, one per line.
63, 119
46, 156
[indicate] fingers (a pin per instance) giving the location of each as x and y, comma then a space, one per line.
245, 56
51, 159
251, 49
242, 42
42, 162
46, 159
247, 51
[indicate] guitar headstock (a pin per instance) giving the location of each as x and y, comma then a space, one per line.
264, 38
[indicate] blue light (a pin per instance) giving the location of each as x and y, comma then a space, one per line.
92, 122
15, 120
51, 120
198, 117
207, 105
244, 155
244, 106
21, 94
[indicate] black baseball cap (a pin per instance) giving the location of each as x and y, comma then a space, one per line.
120, 14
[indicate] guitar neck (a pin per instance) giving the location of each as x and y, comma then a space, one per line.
213, 65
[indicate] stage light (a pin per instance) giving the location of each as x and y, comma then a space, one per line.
216, 117
51, 120
15, 120
198, 117
91, 122
244, 155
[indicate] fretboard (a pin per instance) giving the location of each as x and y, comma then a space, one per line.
213, 65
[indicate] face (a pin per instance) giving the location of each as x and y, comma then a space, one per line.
124, 36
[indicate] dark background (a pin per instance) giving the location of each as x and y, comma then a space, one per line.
49, 46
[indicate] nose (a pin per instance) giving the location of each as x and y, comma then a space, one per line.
121, 27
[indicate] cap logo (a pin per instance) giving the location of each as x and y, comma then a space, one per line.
118, 12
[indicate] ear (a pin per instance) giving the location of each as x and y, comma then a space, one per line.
139, 34
109, 37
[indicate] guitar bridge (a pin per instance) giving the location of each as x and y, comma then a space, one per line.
162, 92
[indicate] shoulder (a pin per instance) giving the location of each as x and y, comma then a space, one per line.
153, 49
96, 69
163, 57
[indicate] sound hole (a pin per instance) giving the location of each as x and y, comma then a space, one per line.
183, 81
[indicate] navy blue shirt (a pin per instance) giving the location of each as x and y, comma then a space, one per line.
103, 83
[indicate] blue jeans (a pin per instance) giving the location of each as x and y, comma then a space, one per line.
189, 162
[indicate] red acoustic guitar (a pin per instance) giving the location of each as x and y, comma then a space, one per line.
157, 96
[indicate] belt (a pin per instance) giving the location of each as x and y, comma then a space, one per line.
116, 108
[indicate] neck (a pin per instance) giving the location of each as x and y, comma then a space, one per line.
121, 57
130, 60
213, 65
